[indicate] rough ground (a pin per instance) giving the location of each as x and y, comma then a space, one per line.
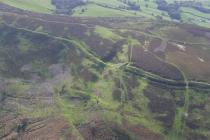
102, 78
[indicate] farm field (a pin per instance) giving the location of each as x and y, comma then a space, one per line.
109, 8
41, 6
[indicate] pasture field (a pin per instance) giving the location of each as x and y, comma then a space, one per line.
116, 8
41, 6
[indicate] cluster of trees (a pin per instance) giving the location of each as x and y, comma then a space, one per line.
66, 6
132, 5
201, 9
173, 10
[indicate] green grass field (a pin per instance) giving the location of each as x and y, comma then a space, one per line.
148, 9
41, 6
111, 8
94, 10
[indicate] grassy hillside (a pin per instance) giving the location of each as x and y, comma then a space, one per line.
93, 10
109, 8
98, 79
148, 9
41, 6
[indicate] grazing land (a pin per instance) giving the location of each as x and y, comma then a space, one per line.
42, 6
185, 11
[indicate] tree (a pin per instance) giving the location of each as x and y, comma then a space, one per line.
83, 10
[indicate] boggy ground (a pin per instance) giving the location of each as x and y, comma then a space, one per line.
66, 78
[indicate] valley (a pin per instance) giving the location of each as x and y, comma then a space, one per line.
102, 78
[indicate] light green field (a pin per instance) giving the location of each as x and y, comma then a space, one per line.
113, 8
195, 12
114, 3
41, 6
95, 10
193, 16
171, 1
